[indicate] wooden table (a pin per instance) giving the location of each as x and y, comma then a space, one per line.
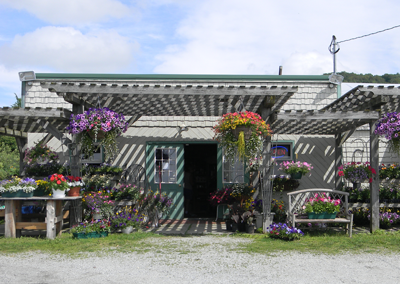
54, 217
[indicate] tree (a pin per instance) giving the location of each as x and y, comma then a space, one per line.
18, 103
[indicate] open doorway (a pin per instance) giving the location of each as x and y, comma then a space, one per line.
200, 179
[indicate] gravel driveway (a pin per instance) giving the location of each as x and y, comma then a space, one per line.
204, 259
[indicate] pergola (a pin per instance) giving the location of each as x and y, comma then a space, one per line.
209, 97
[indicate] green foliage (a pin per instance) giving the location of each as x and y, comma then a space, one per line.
369, 78
18, 103
9, 141
9, 160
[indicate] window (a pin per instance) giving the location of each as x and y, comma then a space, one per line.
233, 171
165, 165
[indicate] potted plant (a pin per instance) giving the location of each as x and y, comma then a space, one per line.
321, 207
75, 184
40, 153
98, 125
284, 232
17, 187
357, 172
164, 204
93, 229
58, 185
254, 164
99, 204
126, 191
389, 127
242, 192
295, 169
241, 133
43, 188
222, 196
248, 218
126, 221
284, 182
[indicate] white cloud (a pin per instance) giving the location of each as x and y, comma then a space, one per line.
72, 12
69, 50
256, 37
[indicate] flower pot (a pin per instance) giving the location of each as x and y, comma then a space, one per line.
100, 135
228, 224
58, 193
18, 193
10, 194
74, 191
89, 235
127, 230
324, 215
42, 161
246, 130
39, 192
97, 216
250, 228
296, 175
235, 227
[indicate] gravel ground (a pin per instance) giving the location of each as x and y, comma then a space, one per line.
205, 259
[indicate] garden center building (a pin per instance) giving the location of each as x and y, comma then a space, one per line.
171, 119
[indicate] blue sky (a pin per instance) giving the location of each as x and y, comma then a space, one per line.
193, 37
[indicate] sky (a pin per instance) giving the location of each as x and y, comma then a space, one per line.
194, 37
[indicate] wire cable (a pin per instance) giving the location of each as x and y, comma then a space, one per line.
369, 34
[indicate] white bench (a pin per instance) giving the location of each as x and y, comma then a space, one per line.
297, 200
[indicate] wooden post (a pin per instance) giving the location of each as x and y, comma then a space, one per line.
10, 218
266, 188
338, 160
50, 216
59, 217
18, 218
374, 186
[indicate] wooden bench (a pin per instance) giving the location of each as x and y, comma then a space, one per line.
298, 198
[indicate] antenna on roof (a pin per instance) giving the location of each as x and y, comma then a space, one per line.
333, 49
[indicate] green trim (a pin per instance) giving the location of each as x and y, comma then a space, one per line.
182, 77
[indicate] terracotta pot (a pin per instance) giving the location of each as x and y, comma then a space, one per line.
74, 191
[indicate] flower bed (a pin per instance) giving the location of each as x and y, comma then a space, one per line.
284, 232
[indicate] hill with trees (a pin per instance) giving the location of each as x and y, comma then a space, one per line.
369, 78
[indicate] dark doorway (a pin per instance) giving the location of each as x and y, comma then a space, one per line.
200, 179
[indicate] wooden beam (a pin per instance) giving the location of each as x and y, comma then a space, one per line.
74, 99
36, 112
10, 219
144, 89
30, 226
325, 115
338, 160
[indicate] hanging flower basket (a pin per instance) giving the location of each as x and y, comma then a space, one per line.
389, 127
357, 172
246, 131
241, 134
98, 127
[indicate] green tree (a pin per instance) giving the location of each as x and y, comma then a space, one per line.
18, 103
9, 161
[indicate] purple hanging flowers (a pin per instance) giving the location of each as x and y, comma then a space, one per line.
94, 123
389, 127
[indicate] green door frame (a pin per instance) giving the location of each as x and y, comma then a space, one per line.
175, 190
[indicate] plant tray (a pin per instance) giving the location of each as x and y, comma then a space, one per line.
18, 193
89, 235
324, 215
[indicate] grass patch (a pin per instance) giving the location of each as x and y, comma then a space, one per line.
65, 244
328, 243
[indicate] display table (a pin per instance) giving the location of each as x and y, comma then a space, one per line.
54, 218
